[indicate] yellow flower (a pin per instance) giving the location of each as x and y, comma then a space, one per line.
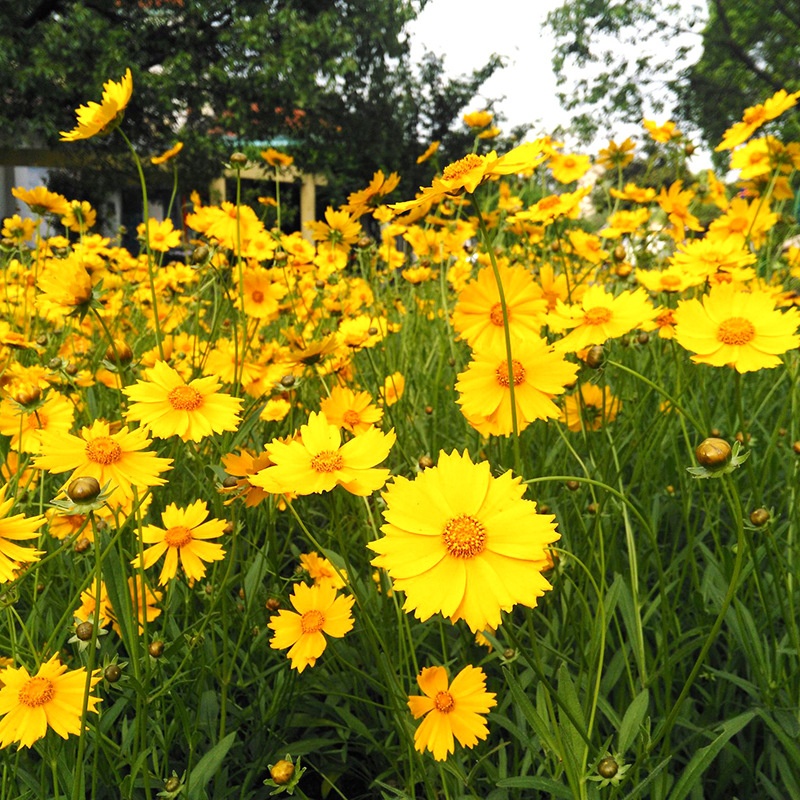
353, 411
590, 408
321, 571
634, 193
243, 466
275, 158
260, 293
80, 216
183, 538
42, 201
103, 117
567, 168
478, 119
66, 288
25, 425
755, 116
318, 611
463, 543
14, 529
53, 698
320, 461
450, 709
661, 133
478, 314
393, 387
169, 406
736, 328
167, 155
539, 374
160, 234
119, 457
616, 155
432, 148
368, 199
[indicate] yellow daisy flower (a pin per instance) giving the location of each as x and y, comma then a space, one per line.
169, 406
318, 611
183, 538
451, 710
589, 408
463, 543
12, 530
353, 411
321, 571
103, 117
53, 698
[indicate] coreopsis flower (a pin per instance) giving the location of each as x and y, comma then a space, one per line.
275, 409
451, 710
99, 118
463, 543
340, 230
661, 133
755, 116
587, 246
367, 200
732, 327
183, 538
616, 156
353, 411
321, 571
538, 375
275, 158
318, 611
567, 167
675, 203
242, 466
66, 288
625, 222
590, 408
161, 235
41, 200
52, 698
599, 316
478, 119
80, 216
433, 147
231, 225
672, 279
15, 529
702, 259
260, 293
169, 406
24, 425
119, 458
394, 386
319, 461
743, 222
478, 314
167, 155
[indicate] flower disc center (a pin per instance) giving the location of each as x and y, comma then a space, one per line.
464, 536
179, 536
458, 169
496, 315
312, 621
36, 692
185, 398
518, 372
351, 417
327, 461
597, 315
257, 297
444, 702
103, 450
736, 330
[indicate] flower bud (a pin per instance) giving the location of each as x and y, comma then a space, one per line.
83, 490
112, 673
619, 253
282, 772
594, 356
172, 784
156, 649
425, 462
713, 453
273, 604
573, 486
238, 160
608, 767
82, 545
287, 381
28, 395
200, 254
759, 517
120, 354
84, 631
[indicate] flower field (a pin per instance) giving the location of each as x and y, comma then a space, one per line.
483, 491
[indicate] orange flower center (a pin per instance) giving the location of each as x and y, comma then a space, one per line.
37, 421
36, 692
351, 417
327, 461
737, 224
257, 297
517, 370
496, 315
670, 282
597, 315
464, 536
103, 450
185, 398
444, 702
736, 330
312, 621
459, 168
179, 536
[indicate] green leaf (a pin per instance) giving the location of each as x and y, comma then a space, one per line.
633, 718
541, 783
207, 767
540, 725
702, 759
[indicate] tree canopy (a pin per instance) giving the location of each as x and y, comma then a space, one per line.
639, 58
332, 77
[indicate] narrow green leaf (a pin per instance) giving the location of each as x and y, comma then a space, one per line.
540, 725
207, 767
633, 718
543, 784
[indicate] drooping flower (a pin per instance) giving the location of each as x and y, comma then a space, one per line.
463, 543
733, 327
538, 375
318, 611
169, 406
14, 529
590, 408
183, 538
120, 457
98, 118
452, 710
41, 200
52, 698
319, 461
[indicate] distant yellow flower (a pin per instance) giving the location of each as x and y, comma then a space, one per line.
41, 200
432, 148
634, 193
261, 293
320, 462
616, 156
167, 155
275, 158
321, 571
169, 406
731, 327
53, 698
567, 168
393, 387
743, 222
17, 229
367, 200
103, 117
318, 611
183, 538
66, 288
12, 530
478, 119
80, 216
276, 409
702, 259
242, 466
661, 133
353, 411
160, 235
460, 542
590, 408
451, 710
23, 425
755, 116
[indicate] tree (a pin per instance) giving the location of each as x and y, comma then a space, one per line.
637, 59
332, 77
